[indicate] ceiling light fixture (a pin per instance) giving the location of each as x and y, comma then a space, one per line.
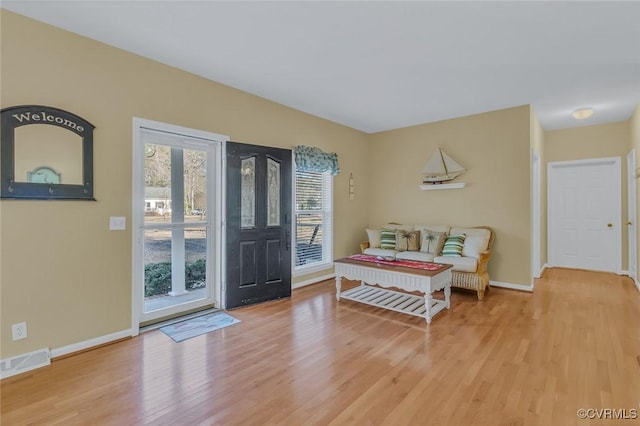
582, 113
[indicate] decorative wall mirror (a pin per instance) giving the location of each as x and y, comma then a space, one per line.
45, 153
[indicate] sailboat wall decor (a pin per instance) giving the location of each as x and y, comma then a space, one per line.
440, 171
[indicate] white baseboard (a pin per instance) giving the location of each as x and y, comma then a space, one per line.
42, 357
512, 286
541, 271
25, 362
87, 344
545, 266
313, 281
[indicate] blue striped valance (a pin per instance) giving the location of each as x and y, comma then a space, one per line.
312, 159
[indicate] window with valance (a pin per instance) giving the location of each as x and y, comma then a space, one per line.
314, 208
312, 159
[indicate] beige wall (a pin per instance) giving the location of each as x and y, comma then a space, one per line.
604, 140
69, 277
62, 270
537, 145
495, 149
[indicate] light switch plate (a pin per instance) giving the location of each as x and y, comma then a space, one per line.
117, 223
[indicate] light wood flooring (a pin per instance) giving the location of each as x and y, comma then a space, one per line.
515, 358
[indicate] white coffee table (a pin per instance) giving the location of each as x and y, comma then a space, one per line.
400, 277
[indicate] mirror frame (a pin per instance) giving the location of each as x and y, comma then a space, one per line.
24, 115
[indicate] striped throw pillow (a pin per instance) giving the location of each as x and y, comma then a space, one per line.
388, 239
453, 245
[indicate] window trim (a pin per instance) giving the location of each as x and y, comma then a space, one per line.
327, 262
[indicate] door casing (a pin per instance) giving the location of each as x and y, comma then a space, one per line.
215, 204
612, 166
632, 215
536, 266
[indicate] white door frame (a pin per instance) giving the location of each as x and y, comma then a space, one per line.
632, 218
536, 267
215, 203
616, 220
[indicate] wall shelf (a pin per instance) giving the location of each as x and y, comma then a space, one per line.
429, 187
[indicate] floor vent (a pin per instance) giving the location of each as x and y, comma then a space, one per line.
25, 362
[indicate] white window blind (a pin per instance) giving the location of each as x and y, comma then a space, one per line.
314, 220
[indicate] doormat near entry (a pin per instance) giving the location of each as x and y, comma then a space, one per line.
193, 327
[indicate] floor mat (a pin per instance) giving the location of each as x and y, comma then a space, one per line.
193, 327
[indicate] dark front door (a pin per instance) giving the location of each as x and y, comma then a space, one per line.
258, 231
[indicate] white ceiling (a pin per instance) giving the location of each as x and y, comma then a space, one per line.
382, 65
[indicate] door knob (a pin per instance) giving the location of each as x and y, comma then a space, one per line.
629, 223
609, 225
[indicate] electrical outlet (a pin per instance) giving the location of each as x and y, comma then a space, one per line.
19, 331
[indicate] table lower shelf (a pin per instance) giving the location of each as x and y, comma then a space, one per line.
393, 300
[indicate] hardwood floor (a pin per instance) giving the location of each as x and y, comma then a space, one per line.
513, 359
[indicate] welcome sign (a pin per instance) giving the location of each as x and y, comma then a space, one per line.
43, 182
45, 117
34, 114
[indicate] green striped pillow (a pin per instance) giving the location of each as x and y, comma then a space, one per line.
388, 239
453, 245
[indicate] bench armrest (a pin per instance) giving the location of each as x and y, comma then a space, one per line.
483, 261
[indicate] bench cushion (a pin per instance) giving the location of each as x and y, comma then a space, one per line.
461, 264
416, 255
476, 242
434, 228
379, 252
374, 237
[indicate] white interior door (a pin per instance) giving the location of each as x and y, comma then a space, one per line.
631, 218
584, 214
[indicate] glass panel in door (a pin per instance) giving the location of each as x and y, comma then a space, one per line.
248, 193
273, 193
176, 228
